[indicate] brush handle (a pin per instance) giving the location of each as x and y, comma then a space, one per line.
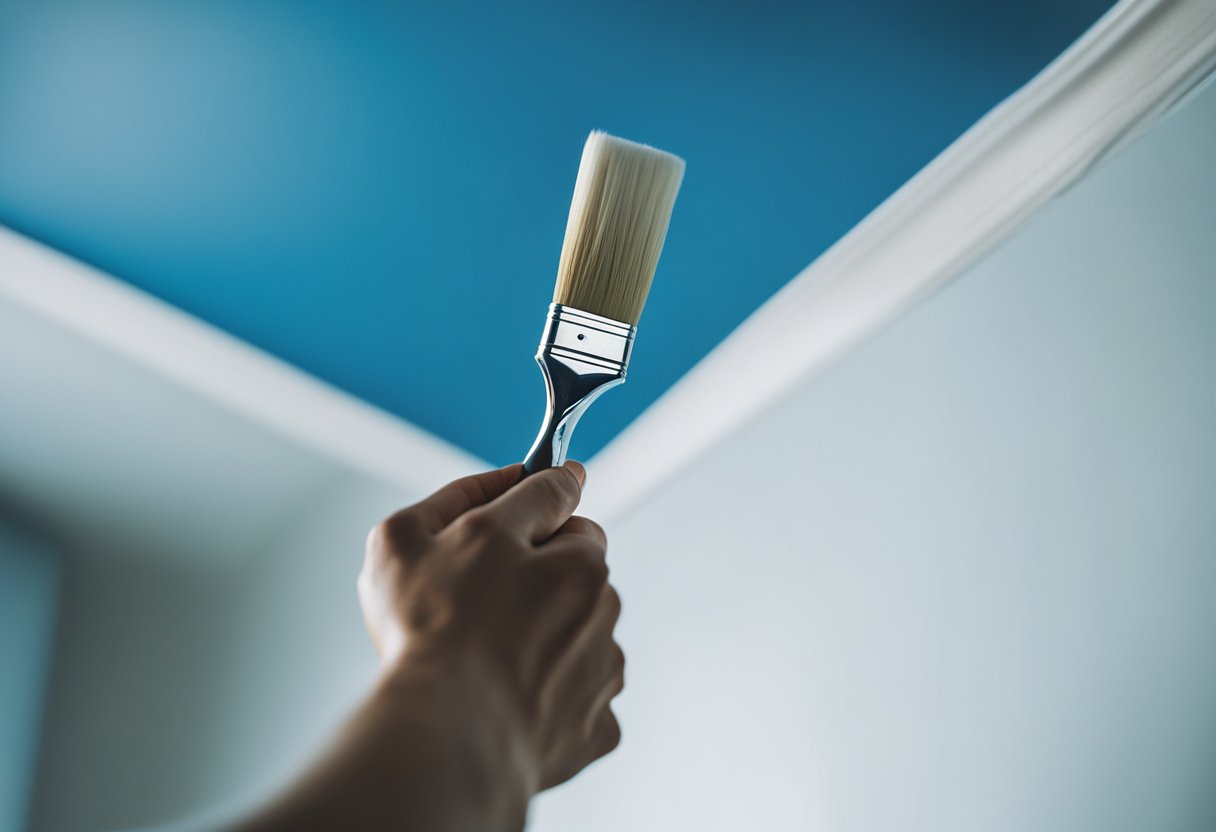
570, 389
580, 356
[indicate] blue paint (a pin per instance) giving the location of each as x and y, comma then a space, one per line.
376, 192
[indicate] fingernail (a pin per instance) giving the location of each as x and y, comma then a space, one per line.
578, 469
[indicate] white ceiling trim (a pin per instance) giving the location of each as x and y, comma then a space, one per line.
1127, 71
221, 367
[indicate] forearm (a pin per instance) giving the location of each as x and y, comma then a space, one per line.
426, 751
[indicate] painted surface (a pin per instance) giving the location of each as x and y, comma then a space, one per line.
377, 192
961, 581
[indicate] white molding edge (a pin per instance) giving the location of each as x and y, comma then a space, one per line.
221, 367
1124, 73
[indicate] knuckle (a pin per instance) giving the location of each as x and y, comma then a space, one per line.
592, 531
597, 570
591, 526
395, 532
618, 661
588, 574
612, 733
377, 536
481, 523
613, 600
586, 553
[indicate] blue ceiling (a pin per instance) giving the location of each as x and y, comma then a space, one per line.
376, 192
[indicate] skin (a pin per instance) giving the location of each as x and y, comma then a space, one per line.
490, 607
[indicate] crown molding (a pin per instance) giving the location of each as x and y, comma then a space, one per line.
224, 369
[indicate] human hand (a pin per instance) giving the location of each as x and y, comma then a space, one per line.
491, 590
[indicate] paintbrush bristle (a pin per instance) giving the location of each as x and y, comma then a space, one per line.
618, 221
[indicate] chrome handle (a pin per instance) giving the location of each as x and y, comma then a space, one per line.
580, 356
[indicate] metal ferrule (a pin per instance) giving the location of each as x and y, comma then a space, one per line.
580, 355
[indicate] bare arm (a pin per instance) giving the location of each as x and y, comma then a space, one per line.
490, 607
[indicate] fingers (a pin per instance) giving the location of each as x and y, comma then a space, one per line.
613, 674
565, 578
434, 513
607, 610
582, 658
582, 527
541, 504
579, 539
601, 727
606, 735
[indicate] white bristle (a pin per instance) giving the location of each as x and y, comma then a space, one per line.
618, 220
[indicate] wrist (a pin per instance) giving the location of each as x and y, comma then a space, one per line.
469, 712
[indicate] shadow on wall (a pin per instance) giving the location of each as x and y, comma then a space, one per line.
29, 590
179, 687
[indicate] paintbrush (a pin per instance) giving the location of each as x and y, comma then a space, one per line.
618, 221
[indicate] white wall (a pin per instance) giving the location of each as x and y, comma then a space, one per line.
303, 658
965, 579
178, 686
962, 581
132, 712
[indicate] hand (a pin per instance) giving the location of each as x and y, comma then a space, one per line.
491, 609
493, 590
